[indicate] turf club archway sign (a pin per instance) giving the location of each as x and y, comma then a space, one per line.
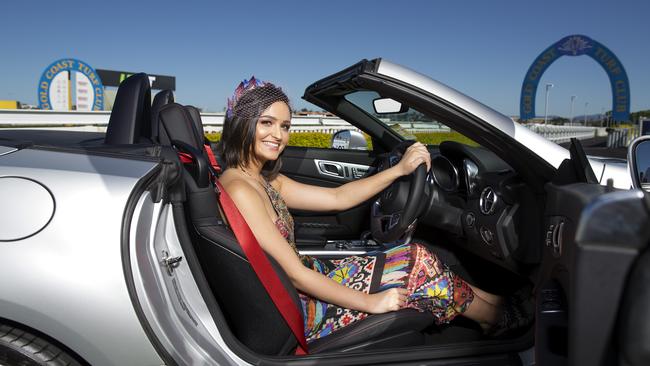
577, 45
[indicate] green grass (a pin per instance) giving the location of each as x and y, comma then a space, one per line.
435, 138
323, 140
213, 136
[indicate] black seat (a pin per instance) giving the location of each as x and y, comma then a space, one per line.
161, 99
251, 315
195, 115
130, 121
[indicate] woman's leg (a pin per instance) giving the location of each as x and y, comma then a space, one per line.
492, 299
482, 312
495, 314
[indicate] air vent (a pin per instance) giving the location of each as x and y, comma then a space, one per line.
488, 201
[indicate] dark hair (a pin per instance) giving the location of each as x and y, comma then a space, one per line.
238, 135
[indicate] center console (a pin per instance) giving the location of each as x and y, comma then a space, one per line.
340, 248
367, 245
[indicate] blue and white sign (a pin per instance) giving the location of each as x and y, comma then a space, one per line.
53, 92
576, 45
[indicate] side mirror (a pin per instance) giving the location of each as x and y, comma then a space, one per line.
638, 161
349, 139
388, 106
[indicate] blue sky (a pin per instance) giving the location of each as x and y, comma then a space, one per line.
482, 48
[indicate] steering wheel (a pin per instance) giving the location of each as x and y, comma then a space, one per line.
394, 212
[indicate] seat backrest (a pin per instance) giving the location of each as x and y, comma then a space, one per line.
161, 99
195, 115
175, 123
245, 304
130, 120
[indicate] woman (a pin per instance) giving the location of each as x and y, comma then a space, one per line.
339, 292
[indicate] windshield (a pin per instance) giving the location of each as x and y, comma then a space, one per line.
408, 122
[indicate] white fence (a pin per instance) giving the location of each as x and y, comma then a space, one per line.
621, 137
560, 134
98, 120
213, 122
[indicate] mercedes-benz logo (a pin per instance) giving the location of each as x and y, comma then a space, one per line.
488, 201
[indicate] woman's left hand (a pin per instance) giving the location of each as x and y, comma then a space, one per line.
415, 155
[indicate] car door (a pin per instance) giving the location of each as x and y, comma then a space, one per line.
592, 301
595, 236
327, 167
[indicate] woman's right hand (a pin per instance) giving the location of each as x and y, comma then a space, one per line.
388, 300
414, 156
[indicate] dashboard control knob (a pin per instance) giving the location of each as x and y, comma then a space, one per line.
486, 235
470, 219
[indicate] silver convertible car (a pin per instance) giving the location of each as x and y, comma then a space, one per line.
114, 251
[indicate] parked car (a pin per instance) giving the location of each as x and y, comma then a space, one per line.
115, 253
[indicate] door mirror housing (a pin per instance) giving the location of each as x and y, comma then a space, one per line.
349, 139
388, 106
638, 161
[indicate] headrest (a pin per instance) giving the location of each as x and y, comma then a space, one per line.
176, 124
176, 127
131, 115
163, 97
195, 114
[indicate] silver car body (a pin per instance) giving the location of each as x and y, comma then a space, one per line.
66, 280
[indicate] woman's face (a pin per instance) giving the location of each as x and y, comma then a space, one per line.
272, 132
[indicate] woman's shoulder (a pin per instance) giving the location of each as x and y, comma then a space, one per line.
236, 185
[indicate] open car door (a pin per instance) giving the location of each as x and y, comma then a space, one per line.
592, 303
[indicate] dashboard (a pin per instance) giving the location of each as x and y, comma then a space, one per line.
479, 199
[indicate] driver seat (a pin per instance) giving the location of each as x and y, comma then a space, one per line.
247, 308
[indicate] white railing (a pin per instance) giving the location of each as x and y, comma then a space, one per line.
18, 118
38, 118
621, 137
560, 134
213, 122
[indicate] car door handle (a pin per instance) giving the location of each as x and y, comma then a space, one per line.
341, 170
331, 169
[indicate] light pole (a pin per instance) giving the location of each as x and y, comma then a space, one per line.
548, 86
586, 104
573, 98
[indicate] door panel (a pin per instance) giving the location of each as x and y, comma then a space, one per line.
564, 206
592, 238
327, 168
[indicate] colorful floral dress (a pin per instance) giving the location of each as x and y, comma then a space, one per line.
431, 285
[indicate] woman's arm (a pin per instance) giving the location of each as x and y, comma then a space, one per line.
304, 279
314, 198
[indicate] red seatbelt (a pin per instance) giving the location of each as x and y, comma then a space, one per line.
212, 159
256, 256
263, 269
185, 158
